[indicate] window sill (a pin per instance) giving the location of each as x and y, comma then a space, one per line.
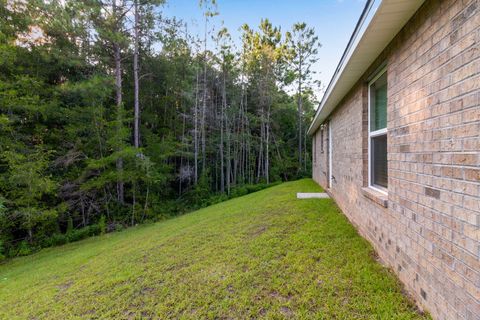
376, 196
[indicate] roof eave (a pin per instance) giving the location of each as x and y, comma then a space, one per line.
379, 23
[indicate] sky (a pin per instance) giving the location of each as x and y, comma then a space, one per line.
333, 21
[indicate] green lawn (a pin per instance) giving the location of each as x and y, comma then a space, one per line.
264, 255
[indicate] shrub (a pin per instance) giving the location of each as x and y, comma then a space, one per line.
238, 192
217, 199
94, 229
78, 234
119, 227
56, 239
69, 225
24, 249
198, 197
102, 224
2, 256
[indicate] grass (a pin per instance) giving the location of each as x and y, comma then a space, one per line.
264, 255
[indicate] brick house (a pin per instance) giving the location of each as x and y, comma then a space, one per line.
396, 143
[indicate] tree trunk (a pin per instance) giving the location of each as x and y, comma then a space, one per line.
260, 151
180, 180
222, 117
229, 164
195, 134
118, 89
267, 145
136, 126
204, 102
300, 131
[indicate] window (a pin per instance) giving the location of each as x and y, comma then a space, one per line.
377, 131
314, 149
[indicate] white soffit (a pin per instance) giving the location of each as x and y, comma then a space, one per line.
379, 24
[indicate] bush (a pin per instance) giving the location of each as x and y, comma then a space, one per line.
69, 225
217, 199
56, 239
24, 249
119, 227
83, 233
238, 192
94, 230
102, 224
198, 197
2, 256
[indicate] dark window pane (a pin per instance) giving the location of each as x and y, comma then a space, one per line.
379, 161
378, 103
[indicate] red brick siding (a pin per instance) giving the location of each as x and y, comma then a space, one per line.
430, 233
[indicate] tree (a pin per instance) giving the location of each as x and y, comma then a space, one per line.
303, 49
143, 26
136, 41
111, 115
265, 59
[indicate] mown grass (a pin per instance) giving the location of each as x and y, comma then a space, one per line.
264, 255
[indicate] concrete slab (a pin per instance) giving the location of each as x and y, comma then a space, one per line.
320, 195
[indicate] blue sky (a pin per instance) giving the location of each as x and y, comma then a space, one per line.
333, 20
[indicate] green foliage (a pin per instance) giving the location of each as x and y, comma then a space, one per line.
200, 194
57, 239
66, 151
69, 225
2, 249
24, 249
102, 225
79, 234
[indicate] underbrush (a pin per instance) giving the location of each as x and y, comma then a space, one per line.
194, 199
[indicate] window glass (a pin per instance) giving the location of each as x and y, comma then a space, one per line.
378, 103
379, 161
378, 164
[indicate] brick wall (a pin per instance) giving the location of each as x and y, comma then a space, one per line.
430, 232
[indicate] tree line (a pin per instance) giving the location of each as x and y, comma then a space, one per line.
112, 114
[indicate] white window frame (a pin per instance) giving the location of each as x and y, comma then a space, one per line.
373, 134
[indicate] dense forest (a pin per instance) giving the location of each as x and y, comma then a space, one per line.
112, 114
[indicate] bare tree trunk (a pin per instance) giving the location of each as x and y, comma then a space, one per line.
136, 126
195, 134
260, 151
222, 117
204, 102
229, 160
267, 145
181, 155
300, 112
118, 89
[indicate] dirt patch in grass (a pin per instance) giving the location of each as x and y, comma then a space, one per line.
258, 231
286, 311
65, 286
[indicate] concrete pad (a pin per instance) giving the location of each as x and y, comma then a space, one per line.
321, 195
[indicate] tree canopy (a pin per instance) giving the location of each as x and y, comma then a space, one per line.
112, 114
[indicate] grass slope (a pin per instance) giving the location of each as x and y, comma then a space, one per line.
266, 254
